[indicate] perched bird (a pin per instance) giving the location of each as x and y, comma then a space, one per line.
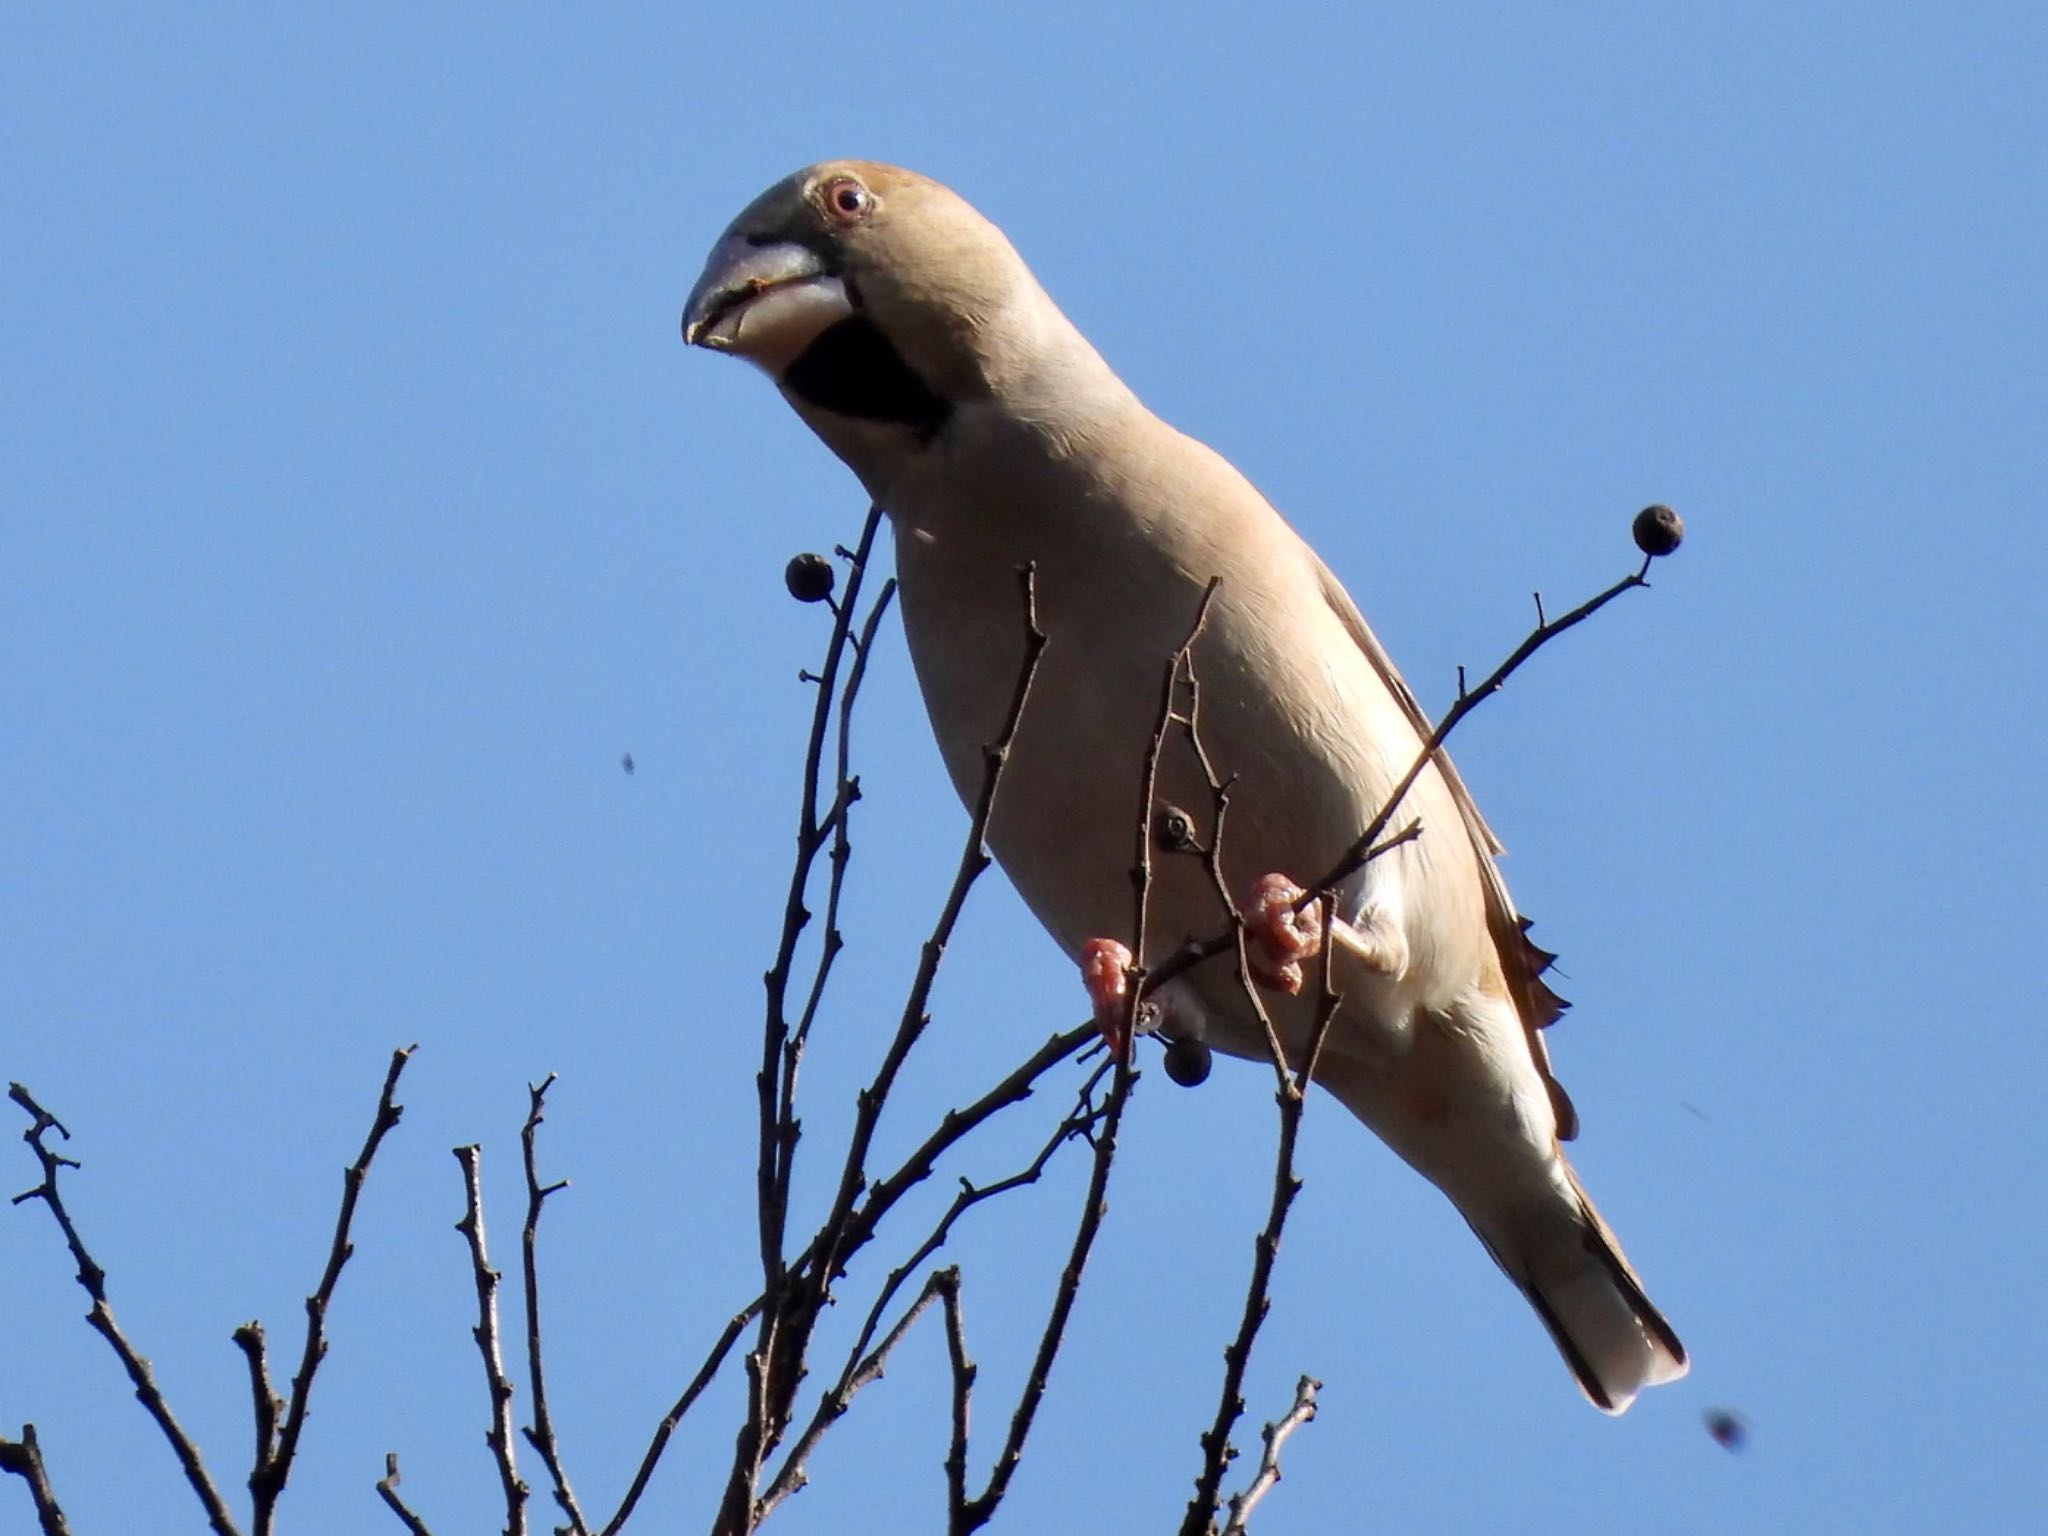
909, 335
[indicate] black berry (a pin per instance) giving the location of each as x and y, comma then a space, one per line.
809, 578
1658, 530
1187, 1062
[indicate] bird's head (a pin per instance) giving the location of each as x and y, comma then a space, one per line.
879, 301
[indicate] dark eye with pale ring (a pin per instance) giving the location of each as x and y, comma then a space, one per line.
845, 200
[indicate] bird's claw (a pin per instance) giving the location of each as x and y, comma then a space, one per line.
1106, 973
1279, 934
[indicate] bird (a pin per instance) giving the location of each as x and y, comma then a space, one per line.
909, 335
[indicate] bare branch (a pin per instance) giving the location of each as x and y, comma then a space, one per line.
833, 1402
966, 1515
1291, 1098
24, 1458
1275, 1435
1180, 667
542, 1434
274, 1465
978, 1511
836, 822
790, 1307
387, 1490
964, 1372
1545, 631
1079, 1122
778, 1126
266, 1405
1366, 846
94, 1281
867, 1371
955, 1125
667, 1427
828, 1257
499, 1436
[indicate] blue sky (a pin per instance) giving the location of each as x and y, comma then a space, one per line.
360, 508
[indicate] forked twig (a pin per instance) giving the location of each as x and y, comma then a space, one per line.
972, 1514
1366, 846
1275, 1436
866, 1370
387, 1490
541, 1434
776, 1084
651, 1457
965, 1515
835, 1400
274, 1459
94, 1281
24, 1459
790, 1303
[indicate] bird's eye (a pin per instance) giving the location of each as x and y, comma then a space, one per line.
846, 201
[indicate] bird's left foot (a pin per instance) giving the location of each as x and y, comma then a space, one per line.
1106, 973
1281, 932
1279, 935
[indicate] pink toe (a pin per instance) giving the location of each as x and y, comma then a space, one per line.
1105, 972
1281, 935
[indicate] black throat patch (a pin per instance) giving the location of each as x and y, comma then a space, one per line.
852, 369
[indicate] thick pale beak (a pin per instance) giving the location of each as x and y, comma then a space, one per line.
765, 303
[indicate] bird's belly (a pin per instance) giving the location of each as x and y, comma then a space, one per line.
1306, 761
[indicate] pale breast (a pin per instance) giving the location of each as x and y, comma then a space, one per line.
1122, 545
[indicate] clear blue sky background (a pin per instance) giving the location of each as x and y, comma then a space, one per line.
359, 508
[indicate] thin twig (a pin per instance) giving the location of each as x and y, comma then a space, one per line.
1217, 1451
833, 1402
866, 1372
1292, 1093
778, 1126
499, 1436
775, 1084
1545, 631
955, 1125
836, 821
828, 1258
720, 1348
1014, 1087
972, 1514
273, 1466
24, 1458
94, 1281
267, 1405
1078, 1122
541, 1436
1290, 1096
1180, 666
1366, 847
965, 1515
789, 1312
1275, 1436
387, 1490
964, 1371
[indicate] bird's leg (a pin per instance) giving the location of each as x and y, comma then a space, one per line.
1281, 935
1106, 973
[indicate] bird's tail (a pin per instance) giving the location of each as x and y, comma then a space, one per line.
1572, 1270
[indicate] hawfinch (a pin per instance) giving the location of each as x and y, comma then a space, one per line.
909, 335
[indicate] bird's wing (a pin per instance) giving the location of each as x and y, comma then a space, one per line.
1522, 962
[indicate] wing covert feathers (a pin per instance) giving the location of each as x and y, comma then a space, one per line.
1522, 961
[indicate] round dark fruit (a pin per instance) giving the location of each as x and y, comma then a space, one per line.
1658, 530
809, 578
1187, 1062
